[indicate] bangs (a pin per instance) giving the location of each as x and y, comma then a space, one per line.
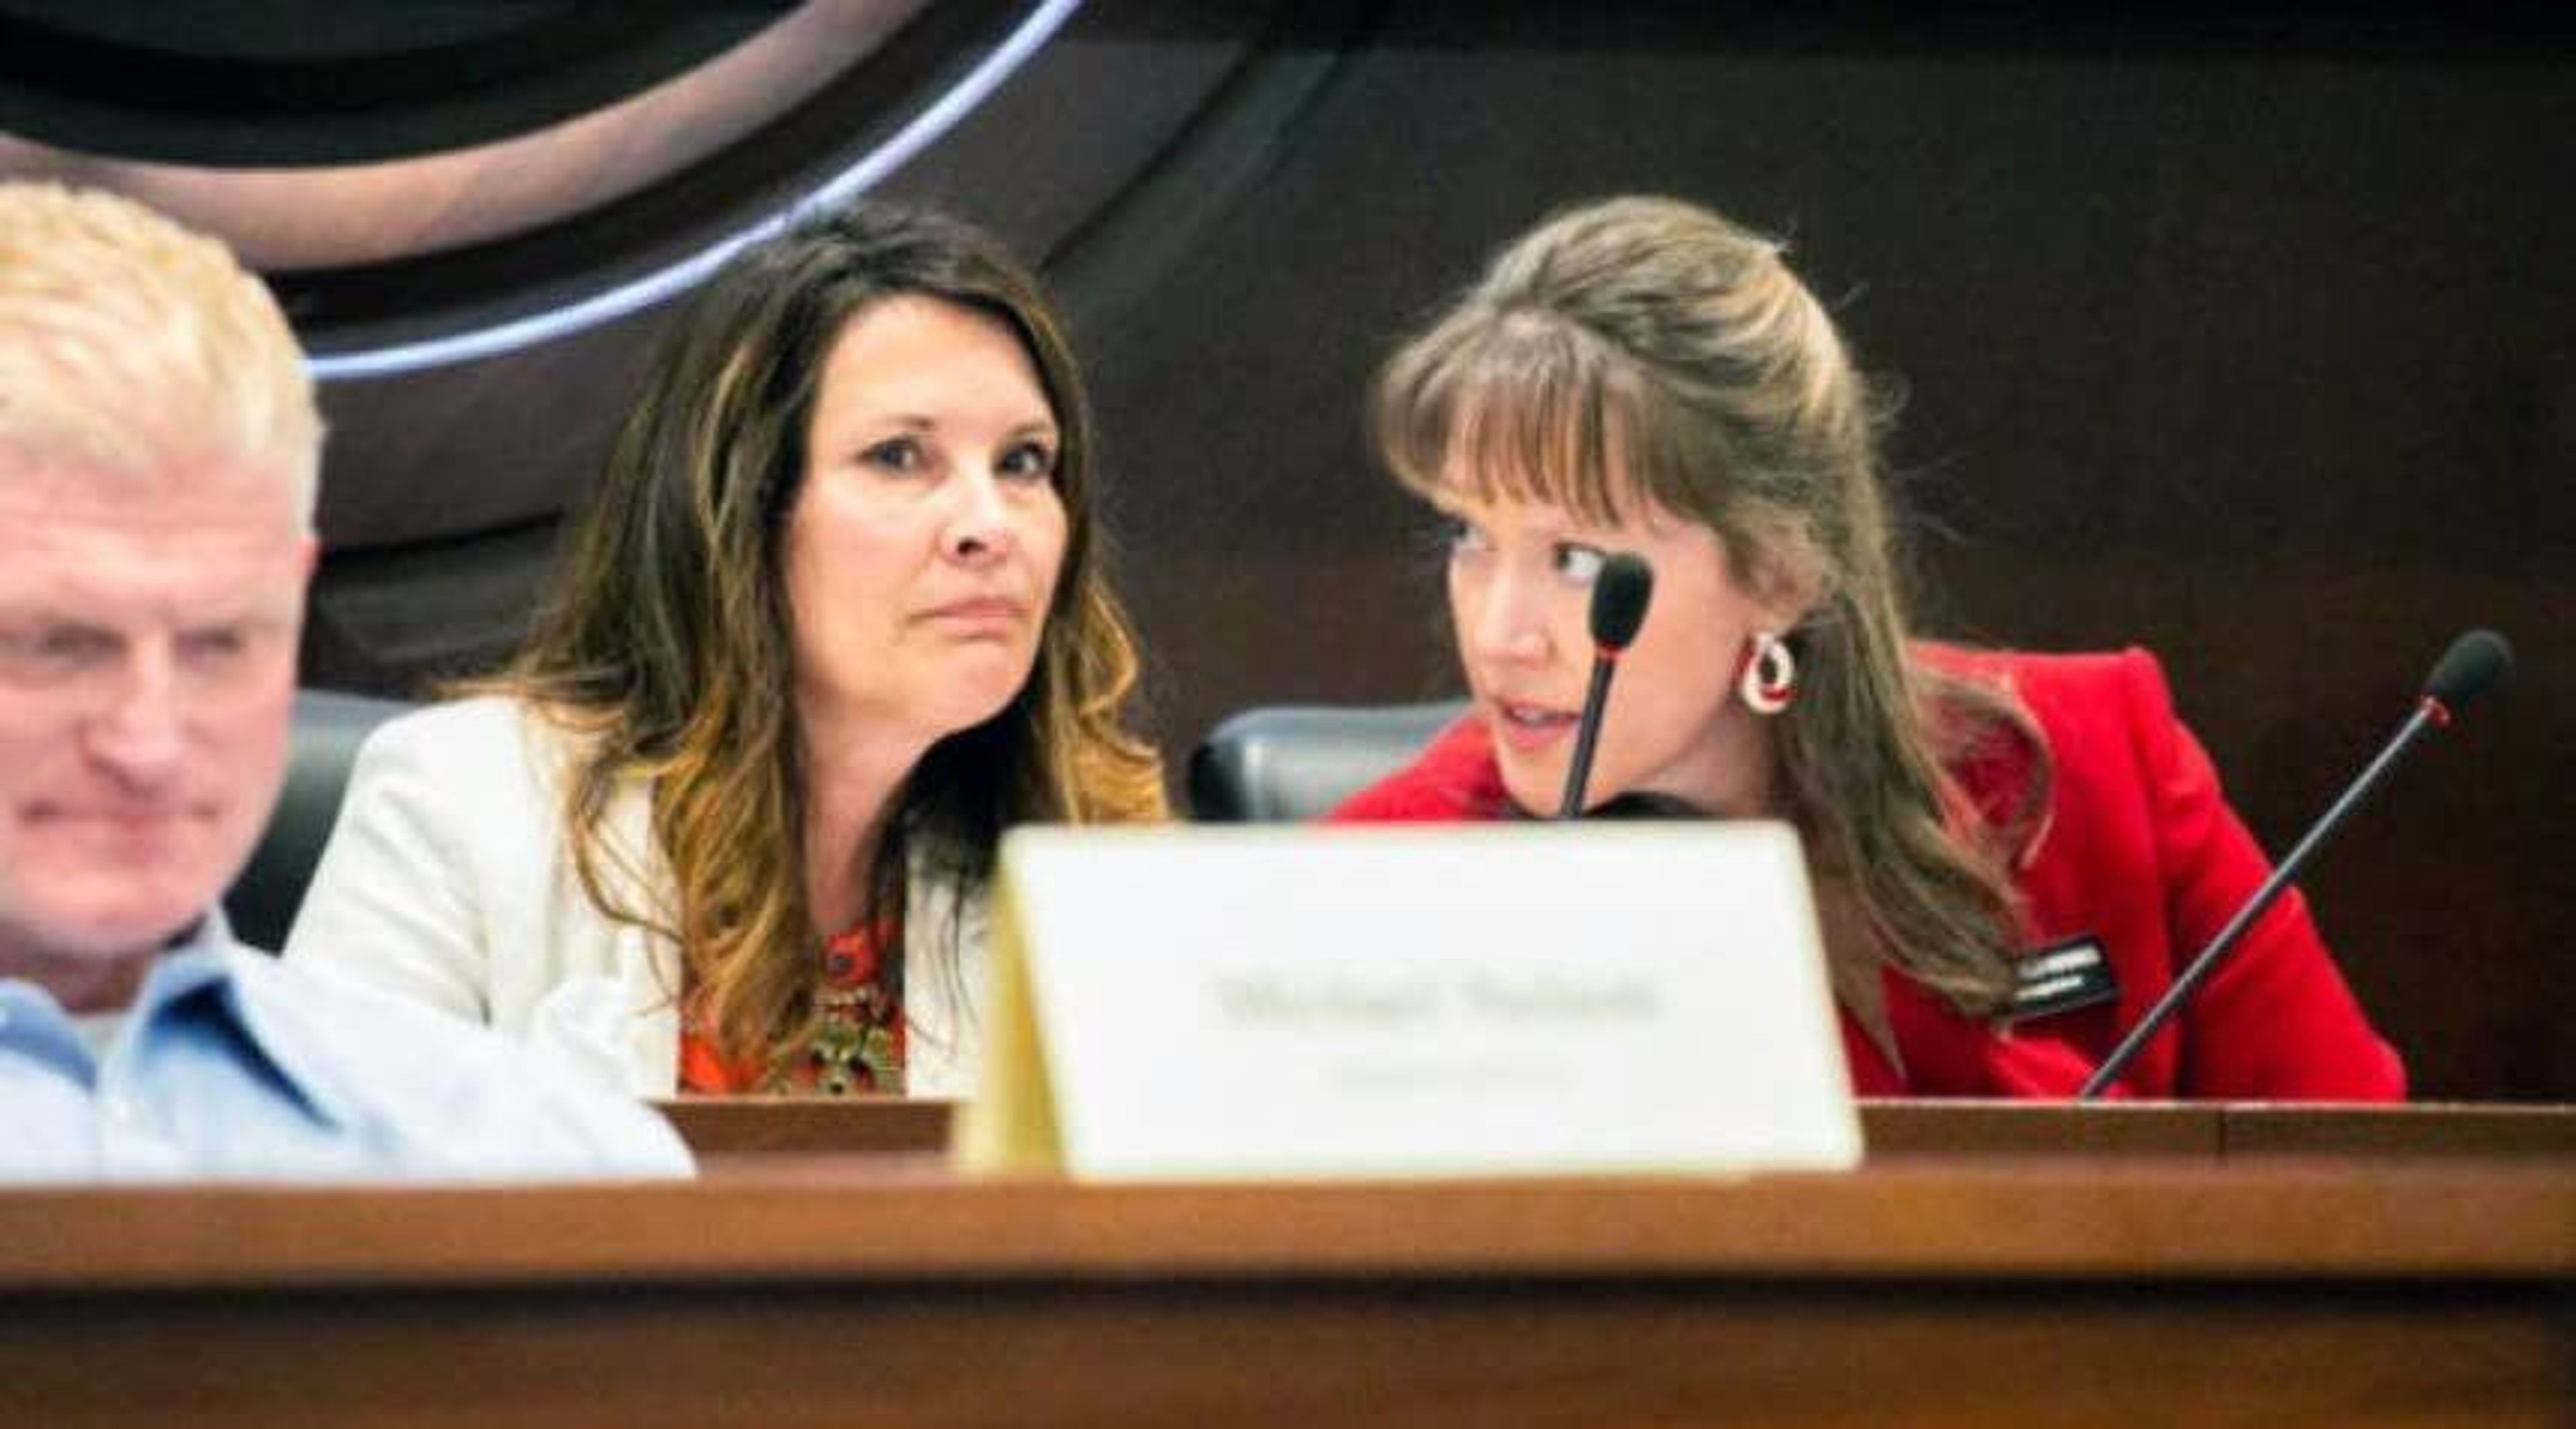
1502, 406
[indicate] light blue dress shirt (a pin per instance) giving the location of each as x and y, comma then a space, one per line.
231, 1065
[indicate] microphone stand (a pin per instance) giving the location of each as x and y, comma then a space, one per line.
1587, 731
1620, 596
2430, 713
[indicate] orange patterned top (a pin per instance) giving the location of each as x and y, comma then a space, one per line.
858, 1041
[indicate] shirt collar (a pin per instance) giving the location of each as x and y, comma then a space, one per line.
207, 975
33, 1025
194, 960
33, 1021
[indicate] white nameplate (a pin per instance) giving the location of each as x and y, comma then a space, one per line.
1199, 1002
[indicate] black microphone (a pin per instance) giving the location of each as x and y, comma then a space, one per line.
2476, 660
1619, 598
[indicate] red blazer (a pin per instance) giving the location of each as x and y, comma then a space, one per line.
2138, 850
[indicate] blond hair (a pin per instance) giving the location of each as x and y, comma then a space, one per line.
131, 347
1648, 350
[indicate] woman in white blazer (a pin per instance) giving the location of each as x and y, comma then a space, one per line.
833, 620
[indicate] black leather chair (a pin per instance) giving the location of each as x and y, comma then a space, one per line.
328, 729
1287, 762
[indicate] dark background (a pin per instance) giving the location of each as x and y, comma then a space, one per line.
2242, 334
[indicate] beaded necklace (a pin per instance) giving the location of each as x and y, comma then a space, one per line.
858, 1037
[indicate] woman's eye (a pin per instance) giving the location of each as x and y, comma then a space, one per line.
1460, 536
896, 454
1029, 461
1578, 563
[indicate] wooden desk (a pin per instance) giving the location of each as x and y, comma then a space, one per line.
2199, 1131
863, 1290
2544, 1134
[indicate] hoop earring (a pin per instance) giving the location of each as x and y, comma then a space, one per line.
1770, 678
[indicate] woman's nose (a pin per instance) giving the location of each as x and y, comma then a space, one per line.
1508, 623
979, 529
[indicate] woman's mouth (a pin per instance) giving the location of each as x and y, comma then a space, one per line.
978, 612
1526, 728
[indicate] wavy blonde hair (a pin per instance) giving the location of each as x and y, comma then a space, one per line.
1648, 349
666, 648
136, 348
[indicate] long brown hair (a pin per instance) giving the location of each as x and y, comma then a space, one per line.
666, 648
1647, 348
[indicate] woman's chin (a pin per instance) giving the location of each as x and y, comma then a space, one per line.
964, 709
1536, 786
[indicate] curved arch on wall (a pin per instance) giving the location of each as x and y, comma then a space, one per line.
304, 215
478, 311
298, 84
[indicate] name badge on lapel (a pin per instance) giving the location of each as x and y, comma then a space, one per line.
2061, 978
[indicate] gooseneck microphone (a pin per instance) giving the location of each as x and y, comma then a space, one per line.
1620, 595
2475, 660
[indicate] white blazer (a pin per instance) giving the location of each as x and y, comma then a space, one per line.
447, 881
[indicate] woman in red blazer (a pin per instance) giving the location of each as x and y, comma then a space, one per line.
2013, 855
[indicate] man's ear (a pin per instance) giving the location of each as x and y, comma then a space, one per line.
310, 551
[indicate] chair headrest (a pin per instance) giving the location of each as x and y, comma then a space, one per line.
1289, 762
322, 745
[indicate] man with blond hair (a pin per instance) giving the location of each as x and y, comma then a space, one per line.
159, 449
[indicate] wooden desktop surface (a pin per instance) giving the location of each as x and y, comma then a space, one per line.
725, 1127
860, 1288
